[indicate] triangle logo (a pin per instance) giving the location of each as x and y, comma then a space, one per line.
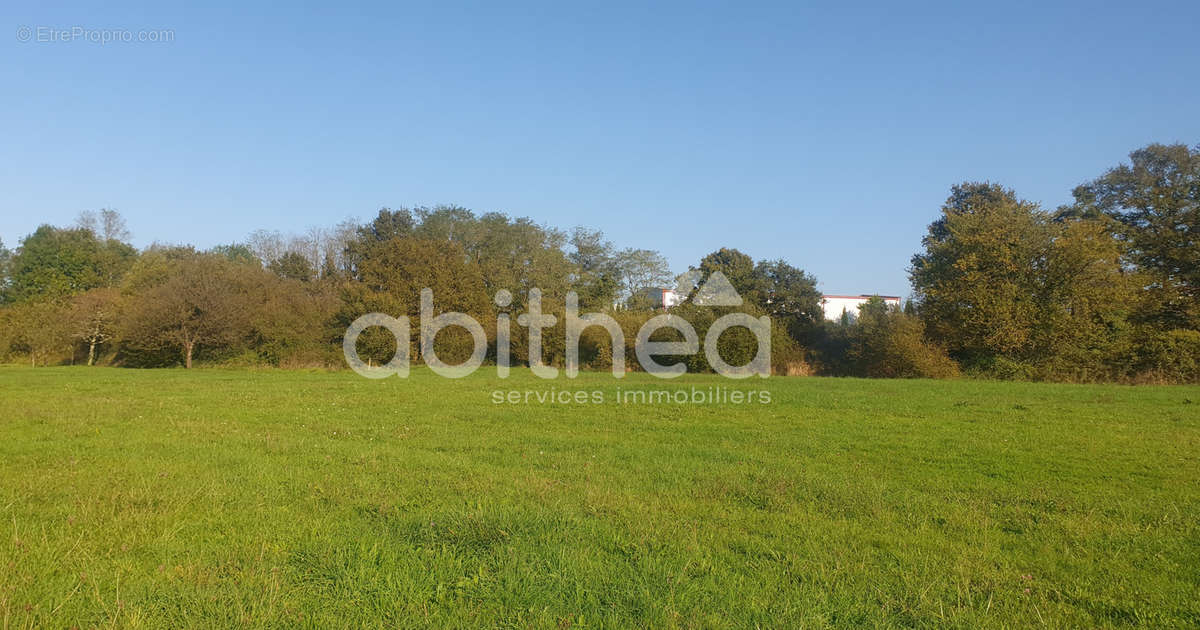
717, 291
687, 281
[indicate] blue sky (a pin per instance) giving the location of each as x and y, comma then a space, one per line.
828, 136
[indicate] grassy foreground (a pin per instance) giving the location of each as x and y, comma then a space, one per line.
214, 498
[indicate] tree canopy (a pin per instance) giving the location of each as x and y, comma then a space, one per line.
1106, 288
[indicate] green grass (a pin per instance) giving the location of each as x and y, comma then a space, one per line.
219, 498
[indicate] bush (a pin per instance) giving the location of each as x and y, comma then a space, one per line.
890, 344
1171, 356
1003, 368
39, 331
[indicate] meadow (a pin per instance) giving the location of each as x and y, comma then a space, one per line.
227, 498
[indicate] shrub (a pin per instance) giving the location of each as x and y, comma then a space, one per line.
885, 343
1171, 356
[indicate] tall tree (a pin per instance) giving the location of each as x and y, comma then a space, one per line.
597, 272
642, 269
293, 265
520, 255
789, 295
237, 252
738, 268
112, 226
390, 281
447, 223
1086, 297
55, 262
266, 245
1156, 201
333, 246
387, 225
116, 258
114, 254
1013, 291
107, 224
977, 280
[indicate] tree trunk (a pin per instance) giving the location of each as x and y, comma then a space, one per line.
187, 347
91, 354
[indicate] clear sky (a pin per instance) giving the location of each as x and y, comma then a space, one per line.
826, 136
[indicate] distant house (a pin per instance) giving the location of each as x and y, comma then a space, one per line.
836, 305
662, 298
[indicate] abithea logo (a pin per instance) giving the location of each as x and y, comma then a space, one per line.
716, 291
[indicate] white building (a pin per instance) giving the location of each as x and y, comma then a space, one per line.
836, 305
662, 298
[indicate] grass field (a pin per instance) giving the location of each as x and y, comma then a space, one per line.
214, 498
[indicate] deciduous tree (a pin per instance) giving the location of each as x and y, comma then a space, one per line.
597, 270
642, 269
41, 329
788, 295
883, 342
390, 279
294, 266
55, 262
978, 278
93, 317
738, 269
203, 300
1156, 201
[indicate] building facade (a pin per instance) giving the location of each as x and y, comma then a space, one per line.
662, 298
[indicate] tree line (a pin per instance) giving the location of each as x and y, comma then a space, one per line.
1102, 289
